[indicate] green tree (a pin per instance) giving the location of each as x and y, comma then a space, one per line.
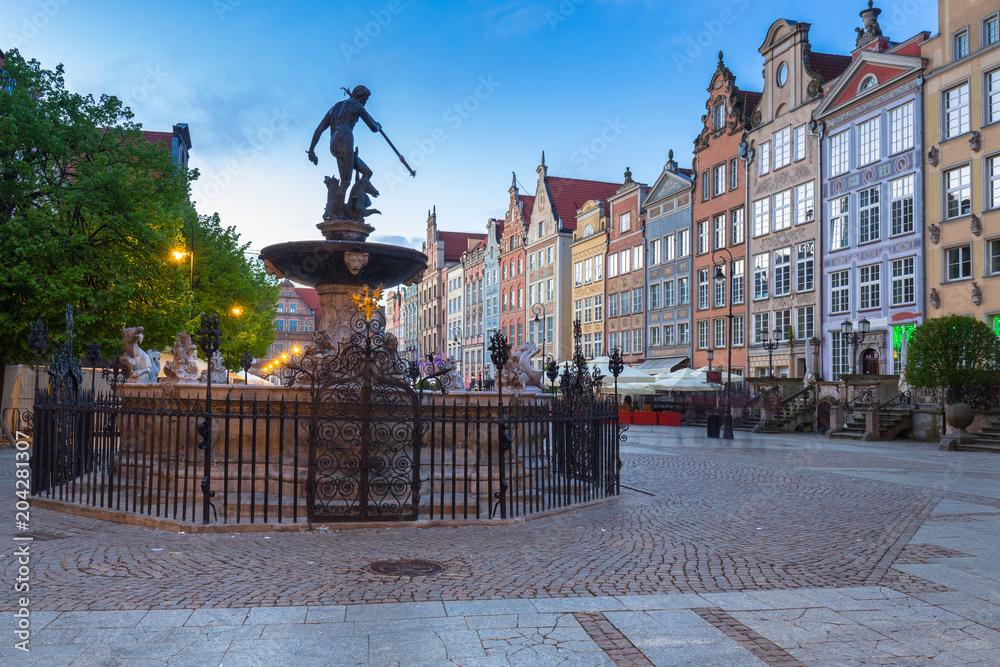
88, 211
954, 352
229, 283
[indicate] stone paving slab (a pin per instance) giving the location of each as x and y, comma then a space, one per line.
774, 550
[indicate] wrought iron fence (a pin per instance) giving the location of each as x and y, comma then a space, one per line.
140, 455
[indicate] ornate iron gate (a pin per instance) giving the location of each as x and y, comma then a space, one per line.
364, 450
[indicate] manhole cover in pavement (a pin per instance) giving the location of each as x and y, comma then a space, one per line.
405, 568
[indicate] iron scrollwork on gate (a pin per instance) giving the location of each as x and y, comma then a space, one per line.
365, 428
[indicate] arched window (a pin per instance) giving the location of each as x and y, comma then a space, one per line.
588, 231
868, 82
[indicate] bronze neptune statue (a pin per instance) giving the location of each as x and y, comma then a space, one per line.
340, 120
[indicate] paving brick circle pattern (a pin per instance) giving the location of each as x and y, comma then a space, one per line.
716, 522
405, 568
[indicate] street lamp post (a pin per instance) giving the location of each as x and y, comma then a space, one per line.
771, 344
855, 338
719, 262
456, 338
540, 310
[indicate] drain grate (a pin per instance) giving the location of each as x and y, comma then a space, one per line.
405, 568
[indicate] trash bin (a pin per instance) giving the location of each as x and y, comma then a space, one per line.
713, 425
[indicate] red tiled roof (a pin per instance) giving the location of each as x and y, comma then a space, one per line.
828, 65
309, 297
527, 204
455, 243
165, 138
569, 194
750, 101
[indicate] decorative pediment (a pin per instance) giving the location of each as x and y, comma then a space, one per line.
886, 69
669, 183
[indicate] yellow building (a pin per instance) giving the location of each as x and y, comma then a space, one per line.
962, 176
588, 250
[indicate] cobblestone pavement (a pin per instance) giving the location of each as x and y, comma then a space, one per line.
775, 550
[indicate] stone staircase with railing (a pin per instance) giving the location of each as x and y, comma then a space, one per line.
794, 411
895, 417
987, 439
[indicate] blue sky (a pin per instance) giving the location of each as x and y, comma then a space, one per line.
468, 91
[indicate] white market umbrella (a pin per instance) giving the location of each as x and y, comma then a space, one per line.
685, 379
628, 374
633, 388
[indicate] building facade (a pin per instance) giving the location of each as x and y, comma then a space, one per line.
668, 270
872, 265
719, 212
473, 327
588, 252
455, 315
512, 319
625, 293
785, 304
491, 290
961, 114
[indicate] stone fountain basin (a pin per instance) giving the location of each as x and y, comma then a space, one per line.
348, 263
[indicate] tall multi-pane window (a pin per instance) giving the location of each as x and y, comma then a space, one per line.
782, 148
799, 141
599, 267
612, 305
668, 294
654, 336
625, 262
737, 279
761, 269
719, 116
719, 179
598, 307
765, 158
624, 303
719, 333
901, 128
783, 322
840, 354
839, 222
737, 331
577, 311
869, 142
719, 231
669, 248
637, 300
683, 242
805, 202
761, 215
869, 287
736, 223
637, 256
993, 182
960, 45
598, 344
702, 289
683, 333
840, 153
588, 346
782, 210
992, 86
683, 291
577, 275
703, 241
783, 272
804, 322
869, 228
654, 251
991, 30
958, 191
625, 221
804, 271
959, 262
588, 310
705, 184
761, 327
702, 334
654, 296
734, 180
588, 271
720, 293
993, 256
840, 291
902, 281
901, 205
956, 111
668, 334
